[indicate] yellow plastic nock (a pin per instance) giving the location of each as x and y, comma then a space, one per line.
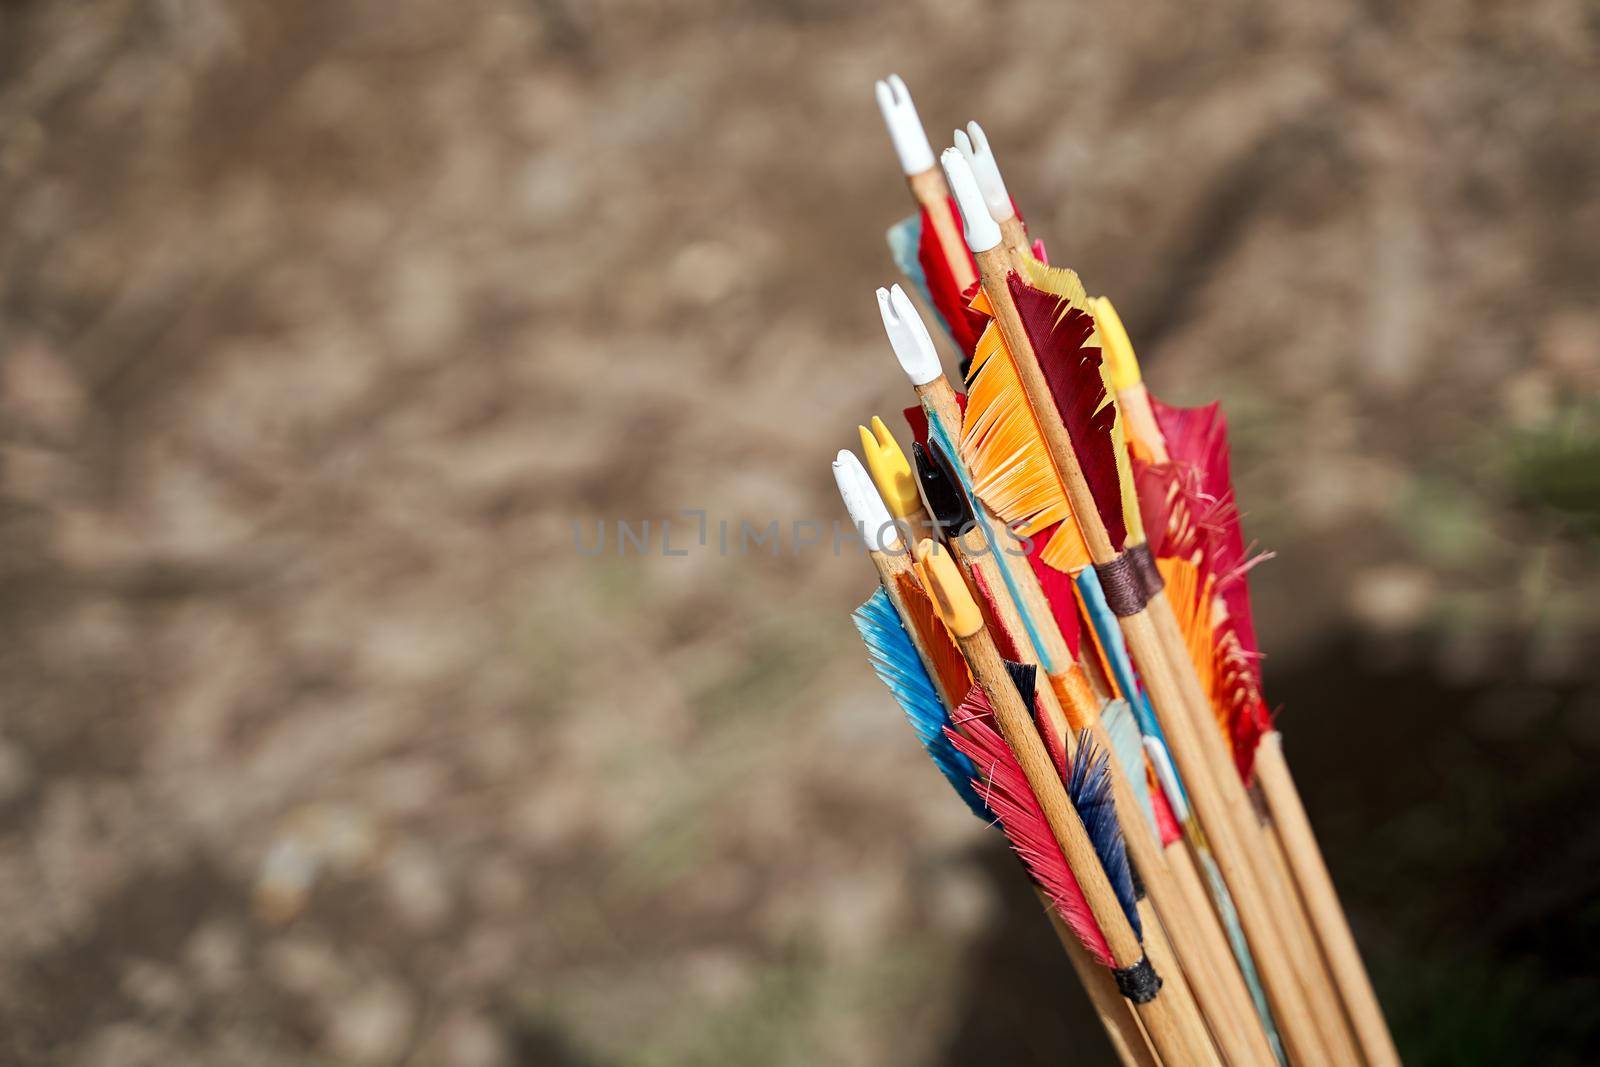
1120, 360
937, 571
890, 471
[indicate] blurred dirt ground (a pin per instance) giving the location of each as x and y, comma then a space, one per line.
322, 323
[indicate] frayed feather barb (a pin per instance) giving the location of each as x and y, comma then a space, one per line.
1198, 438
1228, 675
1058, 281
1090, 789
1002, 444
1199, 529
894, 658
1190, 598
1237, 681
1003, 786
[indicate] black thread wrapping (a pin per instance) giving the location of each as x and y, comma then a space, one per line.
1122, 585
1139, 983
1145, 564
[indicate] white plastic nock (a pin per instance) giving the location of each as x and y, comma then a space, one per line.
865, 506
982, 232
975, 147
1167, 776
909, 336
905, 128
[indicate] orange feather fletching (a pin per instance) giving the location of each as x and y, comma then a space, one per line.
950, 667
1005, 451
1001, 438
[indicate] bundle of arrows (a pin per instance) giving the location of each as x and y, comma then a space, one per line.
1064, 618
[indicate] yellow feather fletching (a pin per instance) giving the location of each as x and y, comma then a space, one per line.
1060, 281
1130, 492
1118, 349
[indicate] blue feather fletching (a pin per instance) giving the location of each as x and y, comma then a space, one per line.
1110, 635
1120, 726
1089, 785
905, 237
898, 666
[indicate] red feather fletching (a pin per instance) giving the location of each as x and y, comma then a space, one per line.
1198, 438
1189, 511
1005, 641
1057, 586
949, 300
1057, 332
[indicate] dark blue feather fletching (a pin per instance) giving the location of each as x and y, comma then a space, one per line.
1089, 785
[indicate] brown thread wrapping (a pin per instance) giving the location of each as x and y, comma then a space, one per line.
1124, 591
1138, 982
1145, 563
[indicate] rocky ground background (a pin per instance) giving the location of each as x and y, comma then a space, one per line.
322, 322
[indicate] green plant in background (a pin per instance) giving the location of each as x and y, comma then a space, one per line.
1556, 467
1481, 1010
